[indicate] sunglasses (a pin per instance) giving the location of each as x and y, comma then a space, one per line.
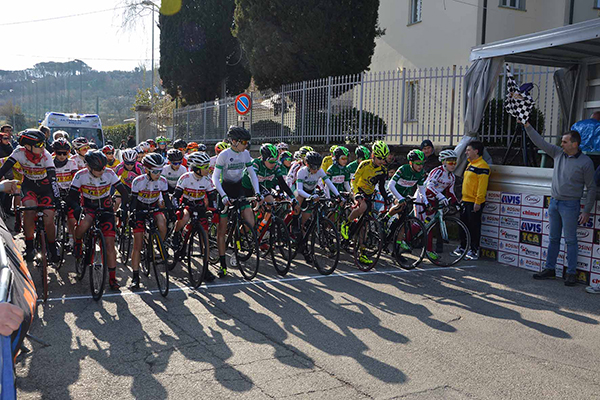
110, 153
271, 160
343, 157
380, 158
39, 145
176, 163
130, 162
243, 142
418, 162
156, 171
84, 148
451, 162
206, 166
61, 153
5, 138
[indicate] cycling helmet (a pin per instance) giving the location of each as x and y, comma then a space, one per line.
415, 155
144, 146
332, 148
179, 144
192, 145
174, 155
61, 144
314, 159
59, 134
153, 161
238, 133
282, 146
268, 152
108, 149
304, 150
380, 149
151, 142
129, 155
96, 160
79, 143
286, 155
93, 146
31, 137
340, 151
198, 159
219, 147
202, 147
363, 152
298, 155
161, 140
447, 155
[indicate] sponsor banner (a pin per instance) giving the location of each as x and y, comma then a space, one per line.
585, 235
507, 258
596, 251
596, 235
491, 208
560, 259
532, 200
490, 219
560, 271
510, 198
546, 228
584, 263
530, 264
510, 222
510, 247
492, 197
585, 249
488, 230
490, 243
595, 266
531, 226
489, 254
595, 280
545, 216
596, 221
588, 224
526, 250
510, 210
534, 239
531, 213
509, 234
583, 277
547, 202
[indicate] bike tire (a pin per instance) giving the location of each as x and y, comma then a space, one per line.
125, 242
213, 255
98, 263
145, 258
324, 246
245, 249
280, 251
368, 241
80, 264
41, 241
447, 258
158, 258
61, 239
197, 256
415, 238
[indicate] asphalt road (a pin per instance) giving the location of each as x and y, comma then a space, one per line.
479, 331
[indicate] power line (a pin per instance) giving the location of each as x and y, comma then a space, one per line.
62, 17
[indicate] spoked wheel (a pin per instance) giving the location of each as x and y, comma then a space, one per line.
445, 241
62, 239
157, 256
409, 243
80, 263
276, 248
97, 259
197, 255
146, 257
43, 262
324, 247
213, 254
245, 249
368, 244
125, 242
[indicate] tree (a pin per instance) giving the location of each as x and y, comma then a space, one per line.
198, 51
14, 115
291, 41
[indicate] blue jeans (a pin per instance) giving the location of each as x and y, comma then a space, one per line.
563, 216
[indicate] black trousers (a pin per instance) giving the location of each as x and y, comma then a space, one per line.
473, 221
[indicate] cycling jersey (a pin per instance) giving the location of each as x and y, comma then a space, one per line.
16, 170
340, 177
172, 175
307, 182
64, 174
405, 180
352, 167
113, 165
128, 176
267, 178
440, 184
34, 170
193, 187
211, 165
148, 191
326, 163
293, 172
79, 161
93, 188
367, 176
229, 169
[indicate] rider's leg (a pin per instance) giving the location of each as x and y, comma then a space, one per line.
161, 223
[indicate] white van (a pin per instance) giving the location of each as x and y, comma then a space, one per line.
88, 126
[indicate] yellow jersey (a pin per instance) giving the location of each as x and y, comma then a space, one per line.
367, 176
327, 162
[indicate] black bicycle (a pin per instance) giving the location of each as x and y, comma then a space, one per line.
154, 254
124, 236
62, 233
273, 237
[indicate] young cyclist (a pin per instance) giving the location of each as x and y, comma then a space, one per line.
95, 184
191, 148
362, 153
39, 186
174, 170
308, 178
109, 152
227, 177
161, 142
181, 145
196, 190
328, 160
146, 191
151, 145
269, 173
219, 147
81, 147
296, 165
285, 161
281, 147
66, 169
338, 173
127, 171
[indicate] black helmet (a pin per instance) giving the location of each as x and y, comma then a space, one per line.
202, 147
179, 143
314, 159
96, 160
238, 133
174, 155
61, 144
340, 151
268, 152
31, 137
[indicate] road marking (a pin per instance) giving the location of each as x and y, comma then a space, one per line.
263, 282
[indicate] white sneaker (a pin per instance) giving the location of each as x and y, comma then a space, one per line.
458, 251
471, 255
593, 289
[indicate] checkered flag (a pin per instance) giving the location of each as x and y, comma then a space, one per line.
518, 103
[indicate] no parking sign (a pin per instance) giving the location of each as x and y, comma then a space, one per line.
243, 104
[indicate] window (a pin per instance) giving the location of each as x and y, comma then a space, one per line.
596, 4
412, 101
516, 4
415, 11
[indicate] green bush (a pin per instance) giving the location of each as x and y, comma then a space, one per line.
117, 133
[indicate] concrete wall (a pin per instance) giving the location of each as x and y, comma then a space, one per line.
584, 11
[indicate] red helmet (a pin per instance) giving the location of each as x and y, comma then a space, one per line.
108, 149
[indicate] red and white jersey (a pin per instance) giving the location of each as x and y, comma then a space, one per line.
79, 161
290, 179
440, 183
93, 188
64, 174
34, 171
147, 190
194, 187
172, 175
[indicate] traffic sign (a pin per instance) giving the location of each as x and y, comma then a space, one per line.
243, 104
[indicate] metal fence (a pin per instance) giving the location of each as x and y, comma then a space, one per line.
401, 107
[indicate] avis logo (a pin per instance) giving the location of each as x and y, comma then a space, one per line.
531, 227
511, 199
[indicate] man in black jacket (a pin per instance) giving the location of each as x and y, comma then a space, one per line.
431, 159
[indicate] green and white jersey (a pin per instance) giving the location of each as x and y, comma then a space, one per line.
267, 178
352, 167
406, 180
232, 165
338, 176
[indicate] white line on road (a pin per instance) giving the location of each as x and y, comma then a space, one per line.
264, 281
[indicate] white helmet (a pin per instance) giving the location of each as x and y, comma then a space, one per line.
447, 154
282, 146
144, 146
129, 155
198, 159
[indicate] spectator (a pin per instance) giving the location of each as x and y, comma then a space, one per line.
9, 130
6, 148
131, 142
431, 159
474, 190
46, 131
572, 170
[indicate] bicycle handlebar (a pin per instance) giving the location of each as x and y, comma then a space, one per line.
36, 208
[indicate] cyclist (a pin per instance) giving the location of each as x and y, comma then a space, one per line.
369, 173
95, 184
161, 141
174, 170
81, 147
181, 145
201, 147
197, 191
362, 153
151, 145
146, 191
338, 173
285, 161
109, 152
328, 160
127, 171
296, 165
219, 147
66, 169
281, 147
191, 148
227, 177
269, 173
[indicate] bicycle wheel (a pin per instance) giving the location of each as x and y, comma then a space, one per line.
125, 242
43, 260
97, 260
157, 256
325, 246
62, 238
409, 243
213, 253
146, 257
279, 246
245, 249
197, 255
444, 248
80, 263
368, 244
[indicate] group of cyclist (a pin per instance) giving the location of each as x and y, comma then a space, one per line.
94, 184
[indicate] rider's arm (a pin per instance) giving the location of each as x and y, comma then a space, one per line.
123, 191
73, 198
51, 173
300, 189
423, 192
347, 186
392, 188
331, 186
167, 199
7, 166
212, 198
284, 186
253, 179
216, 178
382, 190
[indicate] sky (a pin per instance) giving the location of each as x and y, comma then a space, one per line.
97, 38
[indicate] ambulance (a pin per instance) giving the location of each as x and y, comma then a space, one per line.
76, 125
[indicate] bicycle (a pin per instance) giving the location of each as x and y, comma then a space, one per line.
194, 247
368, 240
124, 236
62, 236
40, 244
94, 256
337, 212
153, 252
274, 238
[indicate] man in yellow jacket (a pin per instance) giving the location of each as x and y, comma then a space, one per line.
474, 190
